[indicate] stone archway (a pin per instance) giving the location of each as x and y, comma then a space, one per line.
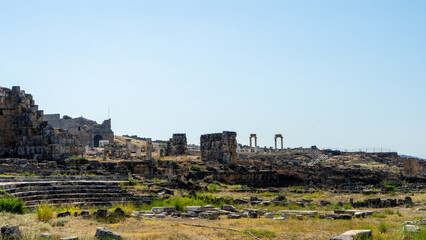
96, 140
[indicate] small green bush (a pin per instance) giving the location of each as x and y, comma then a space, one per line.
11, 204
398, 213
195, 168
133, 182
388, 211
44, 212
383, 228
212, 188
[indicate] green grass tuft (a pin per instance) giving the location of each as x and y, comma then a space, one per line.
12, 205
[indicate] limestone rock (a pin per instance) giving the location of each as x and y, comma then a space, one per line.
10, 232
230, 208
69, 238
63, 214
104, 233
101, 213
411, 228
353, 235
45, 235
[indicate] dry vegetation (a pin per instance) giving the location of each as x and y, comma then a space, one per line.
385, 223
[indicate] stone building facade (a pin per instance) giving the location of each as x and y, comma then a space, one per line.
221, 147
23, 133
177, 145
89, 132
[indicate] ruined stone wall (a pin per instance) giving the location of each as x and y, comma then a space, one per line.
221, 147
177, 145
88, 131
23, 133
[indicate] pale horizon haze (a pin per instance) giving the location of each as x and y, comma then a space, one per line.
335, 74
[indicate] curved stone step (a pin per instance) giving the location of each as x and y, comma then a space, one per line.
73, 196
61, 187
65, 191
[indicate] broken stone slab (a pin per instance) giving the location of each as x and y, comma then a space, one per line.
234, 216
300, 217
45, 235
69, 238
229, 208
411, 228
10, 232
168, 210
279, 198
269, 215
353, 235
299, 212
199, 208
240, 201
161, 215
104, 233
356, 213
280, 218
335, 216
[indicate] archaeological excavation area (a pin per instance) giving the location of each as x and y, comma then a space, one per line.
72, 178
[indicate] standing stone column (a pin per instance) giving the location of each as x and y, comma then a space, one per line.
282, 144
128, 148
149, 148
255, 144
250, 143
138, 152
275, 143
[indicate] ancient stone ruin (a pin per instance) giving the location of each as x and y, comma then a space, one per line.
89, 132
219, 147
177, 145
23, 133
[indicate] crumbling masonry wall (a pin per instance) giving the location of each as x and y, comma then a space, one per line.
221, 147
89, 132
177, 145
24, 134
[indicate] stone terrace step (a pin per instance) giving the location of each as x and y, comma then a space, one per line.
12, 189
59, 190
104, 204
74, 195
89, 201
70, 190
64, 178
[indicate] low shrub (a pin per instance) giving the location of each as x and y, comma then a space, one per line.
195, 168
12, 205
44, 212
212, 188
383, 228
59, 222
132, 181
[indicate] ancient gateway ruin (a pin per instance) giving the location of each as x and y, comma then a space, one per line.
89, 132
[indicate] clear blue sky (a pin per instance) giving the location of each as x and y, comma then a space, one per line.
341, 74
